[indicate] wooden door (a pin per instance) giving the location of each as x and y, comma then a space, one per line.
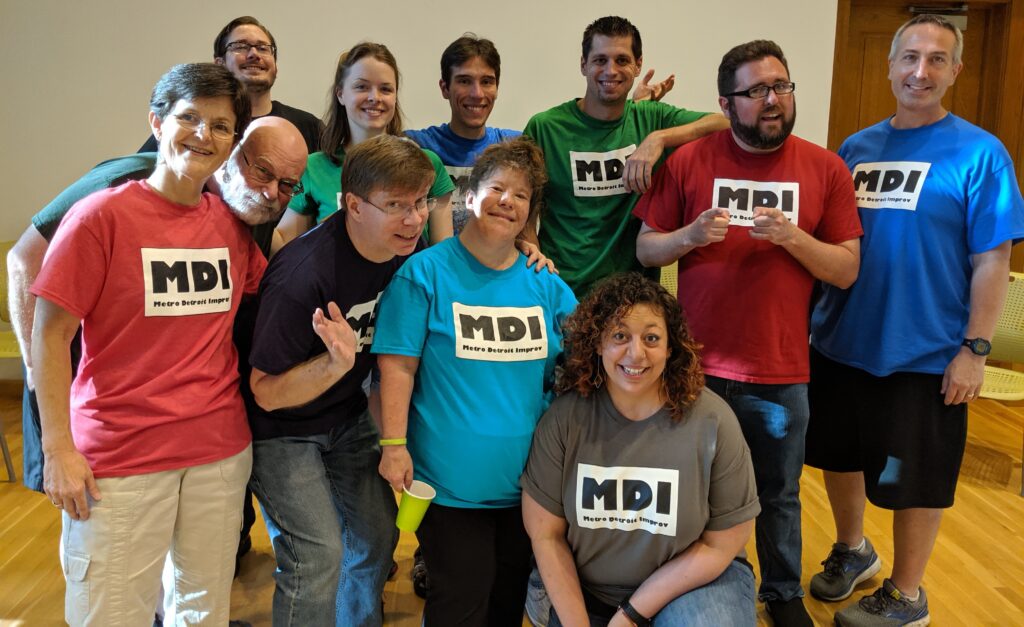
988, 92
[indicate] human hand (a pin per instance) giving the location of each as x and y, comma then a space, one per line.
962, 379
396, 467
772, 225
68, 482
640, 164
337, 336
534, 256
655, 92
709, 227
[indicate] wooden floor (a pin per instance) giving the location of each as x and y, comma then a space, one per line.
976, 575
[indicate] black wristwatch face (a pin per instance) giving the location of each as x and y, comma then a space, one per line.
978, 346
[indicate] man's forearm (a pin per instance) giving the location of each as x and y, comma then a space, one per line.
679, 135
297, 386
988, 290
836, 264
654, 249
23, 264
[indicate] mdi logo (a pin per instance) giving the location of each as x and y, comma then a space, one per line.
362, 318
499, 333
186, 281
628, 498
740, 198
889, 184
599, 173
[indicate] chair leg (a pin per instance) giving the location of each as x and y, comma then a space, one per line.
11, 477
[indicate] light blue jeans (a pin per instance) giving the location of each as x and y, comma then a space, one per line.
774, 422
331, 519
728, 600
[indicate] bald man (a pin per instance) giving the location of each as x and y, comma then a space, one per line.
256, 181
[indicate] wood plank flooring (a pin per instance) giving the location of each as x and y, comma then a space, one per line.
976, 575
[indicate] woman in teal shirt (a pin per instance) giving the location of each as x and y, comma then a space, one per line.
365, 105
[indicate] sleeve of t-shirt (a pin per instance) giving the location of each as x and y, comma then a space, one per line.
75, 266
662, 206
401, 327
48, 219
283, 336
304, 203
732, 495
840, 222
545, 466
442, 181
151, 145
675, 116
257, 266
995, 211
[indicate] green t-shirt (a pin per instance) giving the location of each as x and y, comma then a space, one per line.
321, 184
587, 227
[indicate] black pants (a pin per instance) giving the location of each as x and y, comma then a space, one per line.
479, 562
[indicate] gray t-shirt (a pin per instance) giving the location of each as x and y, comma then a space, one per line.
637, 493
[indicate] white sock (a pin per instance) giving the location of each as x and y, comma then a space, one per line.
859, 547
913, 599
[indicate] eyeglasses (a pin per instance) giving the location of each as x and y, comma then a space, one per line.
761, 91
394, 209
220, 130
266, 177
243, 47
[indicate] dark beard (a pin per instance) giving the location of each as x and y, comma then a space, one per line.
752, 136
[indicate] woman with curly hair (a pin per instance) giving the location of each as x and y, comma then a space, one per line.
639, 493
467, 338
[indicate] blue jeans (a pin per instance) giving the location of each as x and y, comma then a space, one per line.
728, 600
331, 519
774, 422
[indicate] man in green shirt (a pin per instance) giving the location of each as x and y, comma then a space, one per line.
601, 151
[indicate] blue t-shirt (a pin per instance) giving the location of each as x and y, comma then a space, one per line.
487, 341
458, 155
929, 198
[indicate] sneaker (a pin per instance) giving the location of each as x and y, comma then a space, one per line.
844, 569
886, 607
420, 581
791, 613
538, 606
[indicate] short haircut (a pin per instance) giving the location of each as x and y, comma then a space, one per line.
465, 48
220, 44
613, 26
520, 154
189, 81
937, 20
742, 54
385, 162
604, 307
336, 129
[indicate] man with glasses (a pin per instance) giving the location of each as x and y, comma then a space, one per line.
247, 48
755, 215
330, 515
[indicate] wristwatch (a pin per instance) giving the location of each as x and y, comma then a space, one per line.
636, 617
978, 346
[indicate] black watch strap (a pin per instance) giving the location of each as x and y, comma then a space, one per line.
639, 619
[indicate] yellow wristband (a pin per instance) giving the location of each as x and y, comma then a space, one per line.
393, 442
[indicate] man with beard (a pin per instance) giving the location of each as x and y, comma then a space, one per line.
755, 216
599, 150
256, 182
247, 48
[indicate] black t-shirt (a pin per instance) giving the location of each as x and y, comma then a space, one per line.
319, 267
307, 123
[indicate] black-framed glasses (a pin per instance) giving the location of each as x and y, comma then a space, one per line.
219, 130
761, 91
266, 177
393, 209
243, 47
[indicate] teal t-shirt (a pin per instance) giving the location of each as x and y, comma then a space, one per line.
321, 184
487, 341
587, 227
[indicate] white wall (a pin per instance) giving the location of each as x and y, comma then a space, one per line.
76, 76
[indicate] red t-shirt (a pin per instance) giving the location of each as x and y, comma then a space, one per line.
157, 285
747, 301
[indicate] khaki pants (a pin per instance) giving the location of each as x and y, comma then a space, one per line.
188, 518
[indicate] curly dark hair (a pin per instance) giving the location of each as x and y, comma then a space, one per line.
586, 328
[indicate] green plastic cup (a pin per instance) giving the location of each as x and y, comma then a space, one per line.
414, 503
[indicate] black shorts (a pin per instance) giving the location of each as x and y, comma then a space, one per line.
895, 429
